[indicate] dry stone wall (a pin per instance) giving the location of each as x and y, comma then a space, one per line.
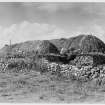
84, 73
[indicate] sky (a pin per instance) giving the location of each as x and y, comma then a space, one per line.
23, 21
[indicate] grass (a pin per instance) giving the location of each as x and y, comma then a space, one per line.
35, 87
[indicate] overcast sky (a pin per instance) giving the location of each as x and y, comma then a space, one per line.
37, 21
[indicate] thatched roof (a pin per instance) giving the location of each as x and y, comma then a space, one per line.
46, 47
86, 43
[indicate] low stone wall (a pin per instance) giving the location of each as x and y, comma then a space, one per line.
84, 73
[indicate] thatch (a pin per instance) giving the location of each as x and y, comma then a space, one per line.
86, 43
46, 47
89, 44
92, 44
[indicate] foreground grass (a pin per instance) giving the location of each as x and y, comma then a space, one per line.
35, 87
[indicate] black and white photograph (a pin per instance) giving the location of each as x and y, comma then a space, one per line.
52, 52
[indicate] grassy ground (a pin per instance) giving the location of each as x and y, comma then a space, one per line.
36, 87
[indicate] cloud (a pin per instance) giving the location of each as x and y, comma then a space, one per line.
29, 31
54, 7
34, 31
92, 29
80, 10
95, 9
